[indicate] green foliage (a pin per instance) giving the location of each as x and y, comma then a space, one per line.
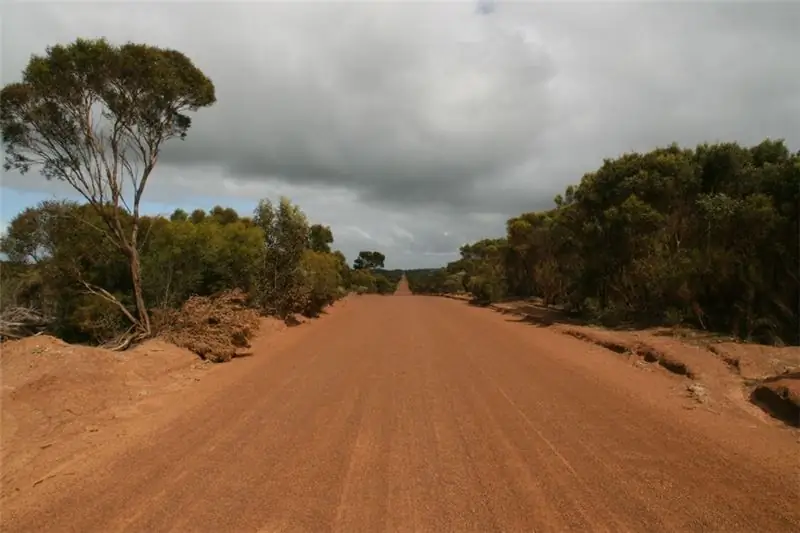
144, 93
182, 258
481, 270
369, 260
179, 215
368, 276
320, 238
96, 116
383, 285
321, 279
281, 283
54, 247
363, 281
343, 268
386, 280
197, 216
436, 281
224, 215
706, 236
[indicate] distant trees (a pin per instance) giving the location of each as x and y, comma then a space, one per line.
269, 258
363, 281
427, 280
368, 274
385, 281
95, 116
369, 260
179, 215
320, 238
705, 236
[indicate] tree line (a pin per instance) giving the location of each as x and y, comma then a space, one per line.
96, 116
707, 237
61, 264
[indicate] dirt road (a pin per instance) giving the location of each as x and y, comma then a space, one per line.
408, 413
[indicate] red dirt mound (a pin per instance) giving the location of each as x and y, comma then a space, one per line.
755, 361
726, 373
56, 397
780, 398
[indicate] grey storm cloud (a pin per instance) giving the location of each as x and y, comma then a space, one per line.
416, 127
486, 7
390, 101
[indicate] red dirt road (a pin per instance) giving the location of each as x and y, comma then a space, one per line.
424, 414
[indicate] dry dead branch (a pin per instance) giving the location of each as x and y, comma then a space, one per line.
19, 322
215, 328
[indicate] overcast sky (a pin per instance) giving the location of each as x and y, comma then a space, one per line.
412, 128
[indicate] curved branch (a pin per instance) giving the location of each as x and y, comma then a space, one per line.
107, 296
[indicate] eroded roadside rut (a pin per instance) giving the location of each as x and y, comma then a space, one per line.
424, 414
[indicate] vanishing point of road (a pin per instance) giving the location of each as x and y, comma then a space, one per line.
410, 413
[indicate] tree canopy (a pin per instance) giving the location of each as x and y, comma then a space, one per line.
95, 115
268, 258
706, 236
369, 260
320, 238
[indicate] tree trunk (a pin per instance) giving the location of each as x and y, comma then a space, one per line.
136, 277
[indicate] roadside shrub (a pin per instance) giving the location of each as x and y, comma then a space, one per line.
97, 318
383, 285
364, 281
341, 292
486, 290
321, 280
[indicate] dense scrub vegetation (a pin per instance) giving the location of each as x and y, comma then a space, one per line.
96, 116
60, 263
388, 284
369, 275
435, 281
706, 236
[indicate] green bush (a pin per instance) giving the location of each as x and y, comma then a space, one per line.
321, 279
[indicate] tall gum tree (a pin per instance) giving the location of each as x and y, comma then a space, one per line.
96, 115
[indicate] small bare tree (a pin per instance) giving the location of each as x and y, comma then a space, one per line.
95, 116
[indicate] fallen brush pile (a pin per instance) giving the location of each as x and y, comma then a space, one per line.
19, 322
215, 328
